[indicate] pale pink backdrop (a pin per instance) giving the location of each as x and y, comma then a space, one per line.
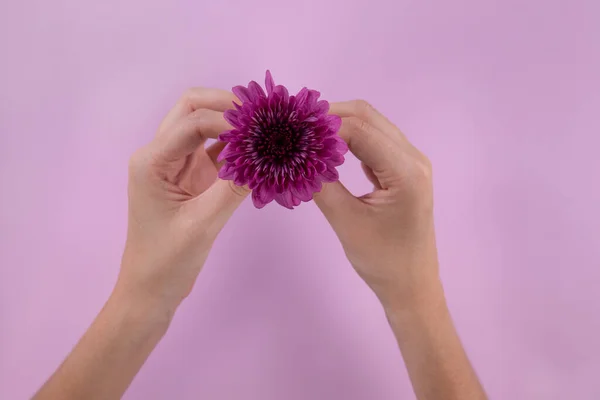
504, 96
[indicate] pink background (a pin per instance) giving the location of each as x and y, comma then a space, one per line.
504, 96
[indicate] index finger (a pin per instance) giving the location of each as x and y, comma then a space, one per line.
367, 143
365, 111
194, 99
189, 133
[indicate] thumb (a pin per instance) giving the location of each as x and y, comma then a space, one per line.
337, 204
219, 202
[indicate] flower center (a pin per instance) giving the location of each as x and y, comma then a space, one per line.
278, 141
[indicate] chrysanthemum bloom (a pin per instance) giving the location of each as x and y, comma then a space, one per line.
283, 147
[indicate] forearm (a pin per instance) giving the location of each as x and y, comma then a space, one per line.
436, 361
108, 356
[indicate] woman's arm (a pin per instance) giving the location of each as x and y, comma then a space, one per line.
177, 206
111, 352
389, 238
434, 356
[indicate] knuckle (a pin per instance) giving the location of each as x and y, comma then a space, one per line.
137, 161
362, 135
203, 114
359, 125
423, 169
141, 162
187, 97
188, 94
184, 99
363, 108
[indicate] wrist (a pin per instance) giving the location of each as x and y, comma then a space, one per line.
426, 300
142, 312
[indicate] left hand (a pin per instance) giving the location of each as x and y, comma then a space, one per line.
177, 205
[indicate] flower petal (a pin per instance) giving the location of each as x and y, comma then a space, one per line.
322, 107
238, 175
262, 195
320, 166
335, 144
296, 201
300, 190
325, 153
334, 122
301, 97
330, 174
229, 136
233, 117
341, 146
282, 92
269, 82
292, 104
226, 172
256, 200
311, 100
255, 90
223, 154
285, 199
230, 153
314, 185
242, 93
335, 160
274, 99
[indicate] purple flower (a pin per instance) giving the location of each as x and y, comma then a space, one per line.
283, 147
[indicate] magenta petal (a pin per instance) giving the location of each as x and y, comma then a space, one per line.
336, 160
314, 185
238, 176
282, 92
269, 82
226, 172
242, 93
228, 136
253, 184
334, 122
256, 200
248, 108
326, 153
313, 95
322, 107
223, 154
230, 153
330, 175
262, 195
320, 166
336, 144
232, 116
255, 90
291, 104
341, 146
300, 190
274, 100
285, 199
301, 97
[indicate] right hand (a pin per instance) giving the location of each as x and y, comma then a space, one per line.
388, 235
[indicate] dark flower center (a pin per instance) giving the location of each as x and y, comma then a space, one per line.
278, 140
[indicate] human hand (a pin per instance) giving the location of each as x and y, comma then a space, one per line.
177, 206
388, 234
